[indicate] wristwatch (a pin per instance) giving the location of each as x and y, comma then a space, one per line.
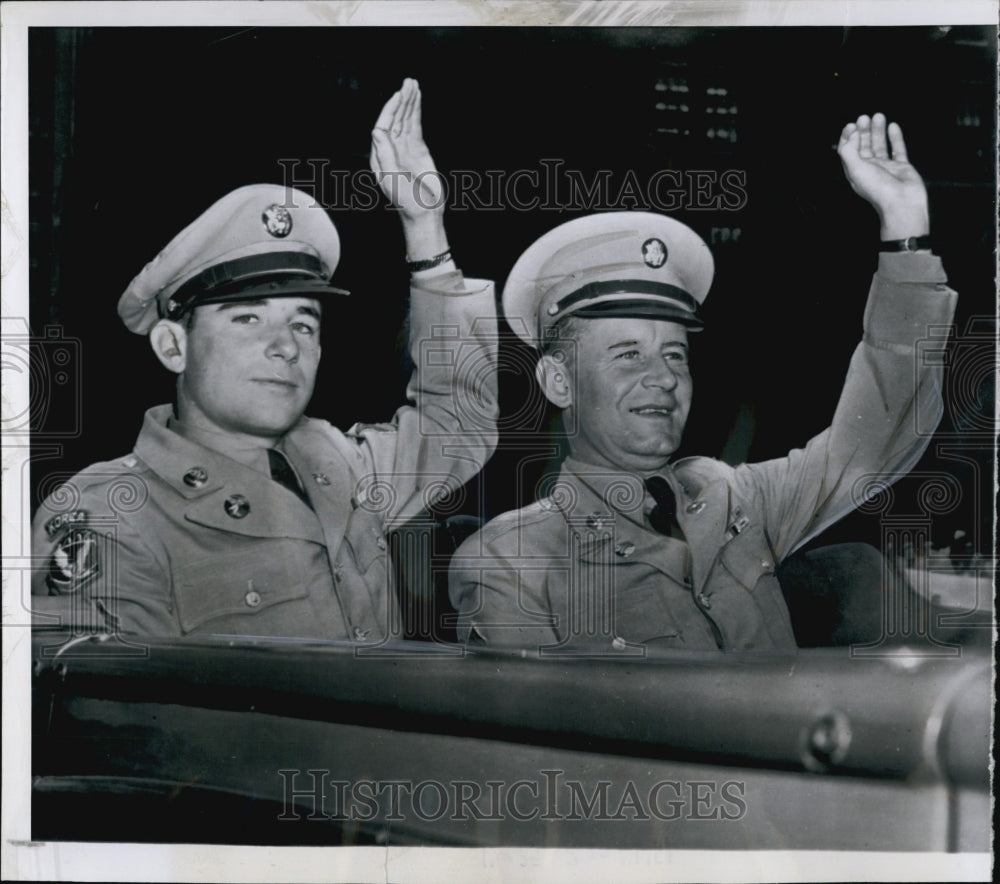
910, 244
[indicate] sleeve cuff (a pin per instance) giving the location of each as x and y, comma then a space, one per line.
908, 299
919, 267
449, 283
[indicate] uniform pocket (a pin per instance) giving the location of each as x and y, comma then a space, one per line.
641, 615
238, 585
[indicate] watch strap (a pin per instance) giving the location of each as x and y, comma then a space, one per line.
428, 264
910, 244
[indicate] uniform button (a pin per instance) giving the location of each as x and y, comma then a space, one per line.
237, 506
696, 507
321, 478
380, 543
625, 549
704, 600
252, 598
196, 477
360, 634
618, 643
766, 564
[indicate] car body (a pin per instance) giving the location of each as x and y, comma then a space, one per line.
274, 741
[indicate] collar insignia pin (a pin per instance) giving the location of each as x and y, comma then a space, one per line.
237, 506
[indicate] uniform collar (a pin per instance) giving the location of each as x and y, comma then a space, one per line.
252, 454
198, 474
703, 512
191, 468
620, 491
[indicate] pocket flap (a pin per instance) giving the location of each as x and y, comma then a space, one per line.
238, 585
641, 615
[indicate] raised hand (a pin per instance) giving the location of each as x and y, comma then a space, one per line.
405, 171
888, 182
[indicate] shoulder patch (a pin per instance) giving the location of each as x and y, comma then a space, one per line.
74, 561
64, 520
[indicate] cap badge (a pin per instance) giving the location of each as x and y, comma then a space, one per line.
277, 220
654, 252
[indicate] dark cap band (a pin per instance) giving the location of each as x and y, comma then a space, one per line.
597, 291
642, 309
269, 275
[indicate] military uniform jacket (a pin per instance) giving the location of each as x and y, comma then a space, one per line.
176, 538
582, 569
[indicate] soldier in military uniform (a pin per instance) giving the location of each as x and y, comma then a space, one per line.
630, 549
236, 514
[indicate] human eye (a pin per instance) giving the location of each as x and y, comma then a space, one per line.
245, 318
676, 355
305, 328
628, 355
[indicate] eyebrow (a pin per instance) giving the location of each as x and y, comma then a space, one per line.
635, 343
310, 311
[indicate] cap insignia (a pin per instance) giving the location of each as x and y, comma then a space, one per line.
654, 252
277, 220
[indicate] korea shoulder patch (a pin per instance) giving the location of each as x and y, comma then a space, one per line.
75, 560
73, 518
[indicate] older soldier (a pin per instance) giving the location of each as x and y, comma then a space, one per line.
630, 549
235, 513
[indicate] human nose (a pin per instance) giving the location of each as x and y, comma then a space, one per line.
283, 344
660, 374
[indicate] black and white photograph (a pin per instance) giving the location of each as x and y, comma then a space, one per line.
499, 441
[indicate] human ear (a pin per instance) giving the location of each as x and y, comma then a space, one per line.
169, 342
553, 378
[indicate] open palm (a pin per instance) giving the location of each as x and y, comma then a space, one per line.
876, 164
400, 158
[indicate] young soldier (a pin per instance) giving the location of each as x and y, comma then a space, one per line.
235, 513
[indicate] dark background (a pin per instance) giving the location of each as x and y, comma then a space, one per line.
135, 131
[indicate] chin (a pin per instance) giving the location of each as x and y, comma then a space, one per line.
277, 427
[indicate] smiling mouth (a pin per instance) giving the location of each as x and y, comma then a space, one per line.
653, 411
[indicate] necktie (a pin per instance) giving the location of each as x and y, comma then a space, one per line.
283, 474
662, 515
